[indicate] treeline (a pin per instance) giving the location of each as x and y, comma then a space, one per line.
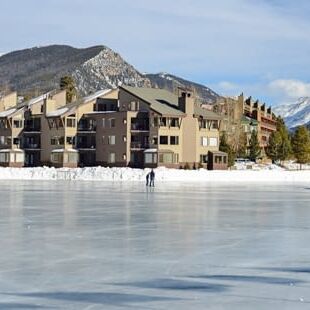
282, 145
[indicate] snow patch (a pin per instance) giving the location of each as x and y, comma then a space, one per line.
162, 175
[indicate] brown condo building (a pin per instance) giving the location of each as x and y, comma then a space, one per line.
242, 116
128, 126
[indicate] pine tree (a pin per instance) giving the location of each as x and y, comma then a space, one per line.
301, 145
67, 83
242, 145
274, 147
285, 148
225, 147
254, 148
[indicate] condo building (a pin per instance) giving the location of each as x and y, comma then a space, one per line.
127, 126
242, 116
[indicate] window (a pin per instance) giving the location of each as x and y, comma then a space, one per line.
112, 122
204, 158
163, 140
70, 140
176, 158
155, 141
134, 106
124, 156
57, 140
174, 140
125, 121
203, 123
57, 157
18, 124
3, 123
215, 125
111, 140
218, 159
163, 121
204, 141
112, 158
124, 139
2, 140
213, 141
71, 122
174, 122
155, 121
166, 158
103, 122
150, 158
16, 141
103, 139
4, 157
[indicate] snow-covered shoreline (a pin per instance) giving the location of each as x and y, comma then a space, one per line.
162, 175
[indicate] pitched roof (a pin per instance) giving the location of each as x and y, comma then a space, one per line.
71, 107
160, 100
207, 114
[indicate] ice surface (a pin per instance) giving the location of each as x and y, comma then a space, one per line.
103, 245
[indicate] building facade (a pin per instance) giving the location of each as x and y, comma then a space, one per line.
242, 116
128, 126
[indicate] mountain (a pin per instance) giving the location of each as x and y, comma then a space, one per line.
39, 69
295, 114
170, 82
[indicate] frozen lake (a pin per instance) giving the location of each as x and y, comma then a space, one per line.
99, 245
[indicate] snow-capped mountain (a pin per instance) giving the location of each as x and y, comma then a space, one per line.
39, 69
295, 114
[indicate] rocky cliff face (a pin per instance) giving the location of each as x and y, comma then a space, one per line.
39, 69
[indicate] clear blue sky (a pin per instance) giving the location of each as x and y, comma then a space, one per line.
259, 47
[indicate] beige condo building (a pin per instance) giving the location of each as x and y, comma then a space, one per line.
128, 126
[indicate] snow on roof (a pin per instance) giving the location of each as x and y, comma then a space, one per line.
96, 95
65, 150
57, 112
151, 151
100, 112
11, 150
7, 112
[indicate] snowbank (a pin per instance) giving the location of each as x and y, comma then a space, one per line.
162, 175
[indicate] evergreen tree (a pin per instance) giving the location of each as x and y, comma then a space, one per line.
274, 147
285, 149
67, 83
254, 148
225, 147
301, 145
242, 145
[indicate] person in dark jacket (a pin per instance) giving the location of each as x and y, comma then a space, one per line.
147, 179
152, 178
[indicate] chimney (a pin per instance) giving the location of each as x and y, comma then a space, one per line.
186, 101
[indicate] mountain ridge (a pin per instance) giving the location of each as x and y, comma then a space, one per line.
295, 114
38, 69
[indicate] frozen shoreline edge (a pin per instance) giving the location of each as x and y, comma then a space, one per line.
162, 175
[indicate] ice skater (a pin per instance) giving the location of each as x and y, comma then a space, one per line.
148, 179
152, 178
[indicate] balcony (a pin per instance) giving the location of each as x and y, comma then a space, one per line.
31, 146
32, 129
86, 146
87, 129
139, 146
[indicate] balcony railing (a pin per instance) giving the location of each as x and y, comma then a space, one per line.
139, 127
31, 146
139, 145
86, 128
86, 146
32, 129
